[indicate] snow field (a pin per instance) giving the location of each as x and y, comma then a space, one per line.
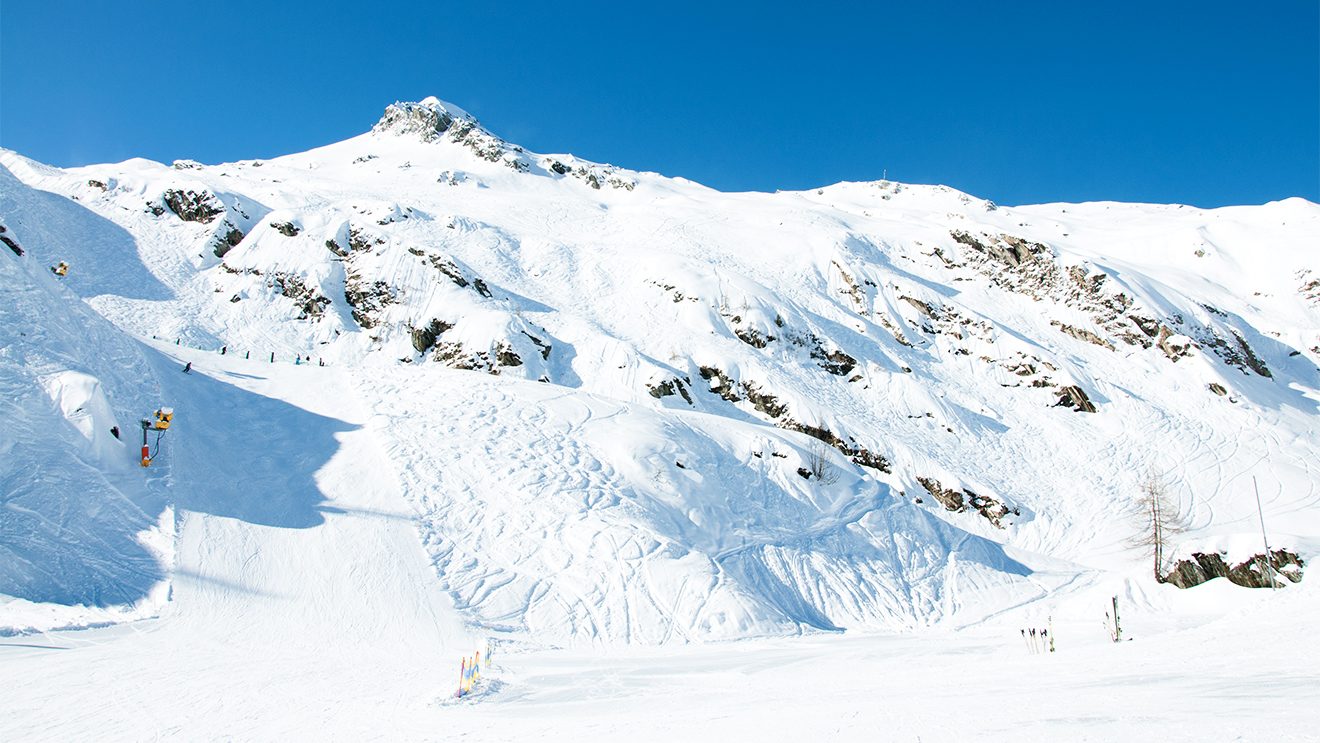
608, 481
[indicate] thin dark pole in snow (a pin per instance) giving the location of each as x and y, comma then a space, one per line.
1269, 566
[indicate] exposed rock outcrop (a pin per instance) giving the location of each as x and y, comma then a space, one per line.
669, 387
857, 453
9, 241
1237, 353
360, 241
311, 303
959, 501
424, 338
753, 337
1030, 268
1310, 288
1252, 573
593, 175
1082, 334
456, 356
451, 270
226, 239
835, 362
367, 299
770, 405
1075, 397
191, 206
430, 120
722, 385
541, 345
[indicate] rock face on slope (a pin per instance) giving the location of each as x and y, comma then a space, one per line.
1075, 397
10, 242
193, 207
955, 500
1022, 266
1250, 573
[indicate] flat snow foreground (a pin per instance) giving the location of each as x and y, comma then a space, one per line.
1250, 677
342, 629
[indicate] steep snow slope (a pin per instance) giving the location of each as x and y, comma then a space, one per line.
80, 526
300, 594
914, 340
293, 563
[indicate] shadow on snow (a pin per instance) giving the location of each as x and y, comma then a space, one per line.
242, 455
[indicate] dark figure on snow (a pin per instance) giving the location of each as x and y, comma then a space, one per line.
187, 368
114, 431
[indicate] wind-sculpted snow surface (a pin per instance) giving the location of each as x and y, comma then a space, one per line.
630, 408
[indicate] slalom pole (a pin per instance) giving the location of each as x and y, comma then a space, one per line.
1269, 564
462, 675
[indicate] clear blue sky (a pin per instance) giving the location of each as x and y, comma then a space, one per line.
1207, 103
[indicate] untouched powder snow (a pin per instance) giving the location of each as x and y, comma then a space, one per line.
596, 419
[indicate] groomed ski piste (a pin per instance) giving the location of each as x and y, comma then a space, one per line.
560, 413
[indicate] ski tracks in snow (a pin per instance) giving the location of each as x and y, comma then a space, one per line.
316, 624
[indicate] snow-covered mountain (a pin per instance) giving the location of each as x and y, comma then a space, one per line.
623, 407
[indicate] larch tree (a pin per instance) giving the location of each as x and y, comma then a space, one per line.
1159, 517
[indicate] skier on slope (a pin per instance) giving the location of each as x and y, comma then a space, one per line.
187, 368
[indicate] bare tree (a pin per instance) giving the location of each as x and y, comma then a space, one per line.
819, 464
1159, 517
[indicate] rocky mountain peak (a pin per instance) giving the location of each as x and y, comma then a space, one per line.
428, 118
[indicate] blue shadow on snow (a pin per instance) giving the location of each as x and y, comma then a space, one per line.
103, 257
240, 454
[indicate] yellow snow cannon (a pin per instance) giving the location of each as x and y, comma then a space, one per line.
164, 417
